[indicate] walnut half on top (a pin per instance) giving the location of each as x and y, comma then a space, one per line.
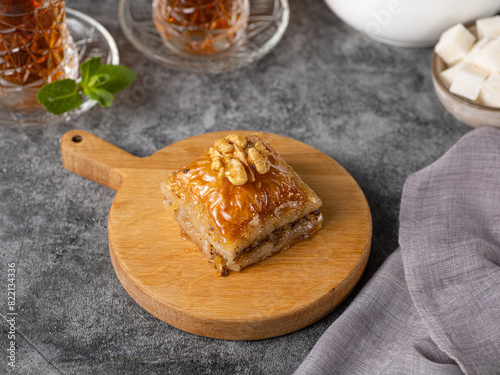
240, 203
238, 159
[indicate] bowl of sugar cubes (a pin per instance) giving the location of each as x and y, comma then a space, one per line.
465, 67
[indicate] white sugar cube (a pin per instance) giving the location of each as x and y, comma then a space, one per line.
475, 50
488, 27
449, 74
488, 58
468, 81
454, 44
490, 91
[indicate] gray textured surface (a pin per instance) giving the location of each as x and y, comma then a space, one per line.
369, 106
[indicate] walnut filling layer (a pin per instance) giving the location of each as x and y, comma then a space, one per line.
277, 241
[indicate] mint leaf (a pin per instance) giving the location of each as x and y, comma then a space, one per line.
59, 96
120, 77
97, 80
104, 97
88, 69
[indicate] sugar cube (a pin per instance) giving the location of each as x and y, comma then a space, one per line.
454, 44
488, 27
448, 75
490, 91
468, 81
475, 50
488, 58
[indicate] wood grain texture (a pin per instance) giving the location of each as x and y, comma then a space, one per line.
167, 275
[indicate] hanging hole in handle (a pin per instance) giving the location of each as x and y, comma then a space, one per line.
77, 138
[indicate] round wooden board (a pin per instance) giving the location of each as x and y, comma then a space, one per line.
167, 275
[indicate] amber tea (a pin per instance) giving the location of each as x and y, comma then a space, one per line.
201, 27
35, 47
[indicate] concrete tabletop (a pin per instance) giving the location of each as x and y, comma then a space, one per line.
369, 106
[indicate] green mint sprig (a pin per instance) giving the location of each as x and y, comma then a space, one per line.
98, 82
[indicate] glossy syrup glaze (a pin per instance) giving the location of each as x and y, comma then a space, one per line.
231, 208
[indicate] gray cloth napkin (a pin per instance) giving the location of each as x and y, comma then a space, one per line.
434, 305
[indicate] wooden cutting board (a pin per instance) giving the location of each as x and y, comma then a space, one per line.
167, 275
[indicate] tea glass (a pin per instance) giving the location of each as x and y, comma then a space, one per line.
201, 27
35, 48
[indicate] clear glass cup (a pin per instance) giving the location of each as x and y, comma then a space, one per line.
201, 27
35, 48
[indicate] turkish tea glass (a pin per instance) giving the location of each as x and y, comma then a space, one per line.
201, 27
35, 48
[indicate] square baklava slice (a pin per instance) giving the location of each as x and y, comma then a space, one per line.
240, 203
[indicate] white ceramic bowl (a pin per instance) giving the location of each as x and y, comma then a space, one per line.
462, 109
409, 23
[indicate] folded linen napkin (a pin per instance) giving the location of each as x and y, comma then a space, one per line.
434, 305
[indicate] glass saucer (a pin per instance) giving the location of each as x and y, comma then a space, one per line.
267, 23
91, 39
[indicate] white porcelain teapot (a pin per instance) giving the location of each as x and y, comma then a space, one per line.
409, 23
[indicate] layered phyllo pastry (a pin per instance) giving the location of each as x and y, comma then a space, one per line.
241, 203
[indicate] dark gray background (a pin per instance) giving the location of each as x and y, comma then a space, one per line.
369, 106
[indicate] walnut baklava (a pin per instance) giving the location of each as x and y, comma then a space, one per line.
240, 203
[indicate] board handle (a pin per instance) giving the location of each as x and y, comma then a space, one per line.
92, 157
